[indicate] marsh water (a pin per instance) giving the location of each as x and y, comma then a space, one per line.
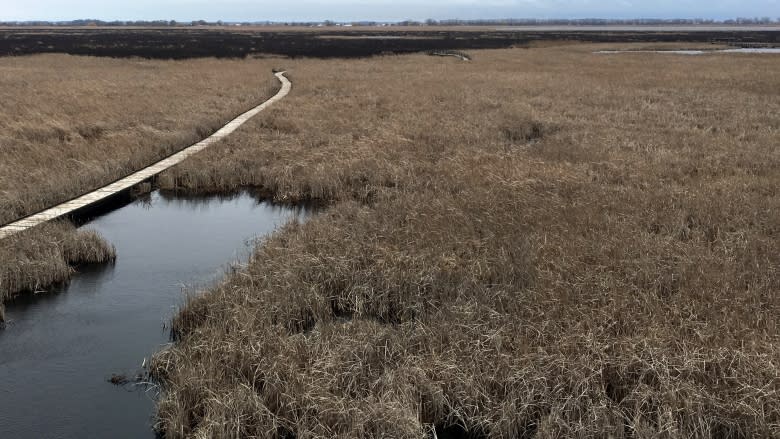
59, 349
754, 50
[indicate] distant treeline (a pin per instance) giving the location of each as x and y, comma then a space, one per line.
429, 22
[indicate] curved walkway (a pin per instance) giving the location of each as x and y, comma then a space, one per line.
135, 178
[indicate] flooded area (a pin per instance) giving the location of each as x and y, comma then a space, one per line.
762, 50
60, 349
640, 28
775, 50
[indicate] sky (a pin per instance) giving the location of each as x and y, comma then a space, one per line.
378, 10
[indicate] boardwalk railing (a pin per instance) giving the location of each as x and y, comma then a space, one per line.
126, 183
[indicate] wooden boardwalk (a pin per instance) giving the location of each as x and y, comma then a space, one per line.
144, 174
463, 56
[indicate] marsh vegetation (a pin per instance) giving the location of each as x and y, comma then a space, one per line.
35, 260
71, 124
542, 243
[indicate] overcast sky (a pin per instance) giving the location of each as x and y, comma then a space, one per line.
380, 10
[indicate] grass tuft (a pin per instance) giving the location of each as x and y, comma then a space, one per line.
46, 255
524, 131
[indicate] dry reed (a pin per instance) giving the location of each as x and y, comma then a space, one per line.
542, 243
71, 124
36, 259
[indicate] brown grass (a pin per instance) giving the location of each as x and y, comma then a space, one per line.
542, 243
71, 124
36, 259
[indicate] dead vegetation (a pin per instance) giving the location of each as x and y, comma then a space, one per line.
35, 260
544, 243
70, 124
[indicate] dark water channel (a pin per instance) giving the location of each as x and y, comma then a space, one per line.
58, 350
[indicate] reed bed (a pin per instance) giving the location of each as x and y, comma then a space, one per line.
36, 259
541, 243
70, 124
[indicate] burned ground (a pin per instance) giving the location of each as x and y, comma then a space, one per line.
180, 43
